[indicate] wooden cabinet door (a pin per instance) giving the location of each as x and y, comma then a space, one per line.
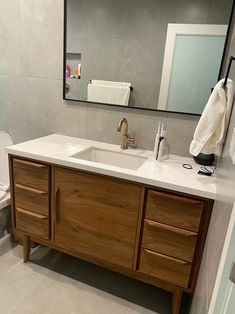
96, 216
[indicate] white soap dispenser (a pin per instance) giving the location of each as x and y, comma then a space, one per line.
157, 138
163, 150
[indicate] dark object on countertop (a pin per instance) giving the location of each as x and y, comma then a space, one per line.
205, 160
187, 166
208, 174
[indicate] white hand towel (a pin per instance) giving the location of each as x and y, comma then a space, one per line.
115, 95
211, 129
110, 83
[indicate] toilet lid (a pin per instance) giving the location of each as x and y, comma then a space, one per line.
5, 140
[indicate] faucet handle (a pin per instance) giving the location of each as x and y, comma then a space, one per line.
130, 140
127, 141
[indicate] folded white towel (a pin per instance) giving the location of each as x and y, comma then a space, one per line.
115, 95
110, 83
211, 129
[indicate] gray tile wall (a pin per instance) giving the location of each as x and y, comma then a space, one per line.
31, 102
120, 39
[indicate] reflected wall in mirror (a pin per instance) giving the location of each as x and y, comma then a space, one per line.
151, 54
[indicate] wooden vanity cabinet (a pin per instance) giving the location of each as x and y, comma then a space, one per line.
151, 234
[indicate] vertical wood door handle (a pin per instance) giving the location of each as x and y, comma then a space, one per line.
56, 204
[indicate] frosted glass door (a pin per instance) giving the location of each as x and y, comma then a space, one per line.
194, 71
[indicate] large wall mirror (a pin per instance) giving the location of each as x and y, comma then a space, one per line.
149, 54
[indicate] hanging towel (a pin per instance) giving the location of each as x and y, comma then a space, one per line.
110, 83
116, 95
211, 129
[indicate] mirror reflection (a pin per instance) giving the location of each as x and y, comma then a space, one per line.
153, 54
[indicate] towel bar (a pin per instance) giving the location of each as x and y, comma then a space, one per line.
131, 88
231, 59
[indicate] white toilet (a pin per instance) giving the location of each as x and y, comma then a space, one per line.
5, 199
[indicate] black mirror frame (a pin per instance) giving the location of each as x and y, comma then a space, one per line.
223, 62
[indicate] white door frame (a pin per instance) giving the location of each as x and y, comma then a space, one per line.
181, 29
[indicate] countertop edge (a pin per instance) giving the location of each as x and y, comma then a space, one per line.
130, 177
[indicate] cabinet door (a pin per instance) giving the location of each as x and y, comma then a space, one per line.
96, 216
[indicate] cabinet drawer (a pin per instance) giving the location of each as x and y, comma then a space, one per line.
32, 199
164, 267
31, 174
32, 223
174, 210
169, 240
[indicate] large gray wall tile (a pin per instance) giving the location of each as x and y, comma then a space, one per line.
70, 119
40, 115
102, 18
24, 112
10, 38
11, 112
75, 12
180, 132
41, 38
219, 9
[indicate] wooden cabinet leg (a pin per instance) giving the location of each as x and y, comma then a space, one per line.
26, 248
176, 301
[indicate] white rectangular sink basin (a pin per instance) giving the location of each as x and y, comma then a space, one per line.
109, 157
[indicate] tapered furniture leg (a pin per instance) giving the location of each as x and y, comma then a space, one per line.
26, 248
176, 301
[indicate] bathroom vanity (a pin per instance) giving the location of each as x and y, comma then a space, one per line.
145, 219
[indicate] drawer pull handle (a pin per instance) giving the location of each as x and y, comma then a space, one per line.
27, 188
167, 257
184, 232
29, 163
174, 198
29, 213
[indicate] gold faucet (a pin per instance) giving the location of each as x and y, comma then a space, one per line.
126, 140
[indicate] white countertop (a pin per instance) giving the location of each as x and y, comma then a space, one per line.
169, 174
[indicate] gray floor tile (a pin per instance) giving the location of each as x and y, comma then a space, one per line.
53, 282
